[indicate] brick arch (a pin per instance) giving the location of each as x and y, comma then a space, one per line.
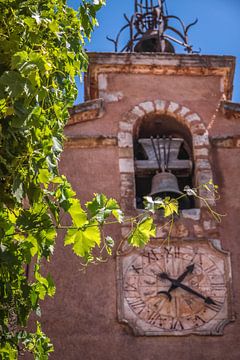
200, 142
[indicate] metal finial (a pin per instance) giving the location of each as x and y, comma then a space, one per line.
151, 29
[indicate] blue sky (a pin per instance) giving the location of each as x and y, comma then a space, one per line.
216, 33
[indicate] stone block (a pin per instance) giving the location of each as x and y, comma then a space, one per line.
216, 243
126, 166
179, 231
102, 82
203, 177
203, 152
125, 152
127, 177
202, 164
147, 106
126, 191
160, 105
161, 232
111, 97
173, 106
201, 140
137, 111
198, 128
238, 143
125, 139
193, 117
198, 230
126, 126
209, 225
183, 111
192, 214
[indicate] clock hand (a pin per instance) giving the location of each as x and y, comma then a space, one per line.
174, 282
188, 270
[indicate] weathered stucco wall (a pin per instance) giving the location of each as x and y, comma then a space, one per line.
82, 317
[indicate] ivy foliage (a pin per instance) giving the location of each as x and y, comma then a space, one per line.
41, 52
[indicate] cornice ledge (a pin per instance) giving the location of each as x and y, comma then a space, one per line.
225, 141
230, 109
87, 111
182, 60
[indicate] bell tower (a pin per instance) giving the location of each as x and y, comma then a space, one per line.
157, 119
152, 29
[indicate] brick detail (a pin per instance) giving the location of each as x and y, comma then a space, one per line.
193, 117
102, 82
192, 214
201, 140
172, 107
202, 164
138, 112
202, 152
111, 97
126, 166
183, 111
125, 139
160, 105
126, 126
148, 106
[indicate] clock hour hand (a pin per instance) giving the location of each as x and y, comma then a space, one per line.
188, 270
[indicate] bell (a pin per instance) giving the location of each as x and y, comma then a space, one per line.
150, 42
165, 184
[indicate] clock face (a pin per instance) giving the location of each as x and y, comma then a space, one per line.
175, 288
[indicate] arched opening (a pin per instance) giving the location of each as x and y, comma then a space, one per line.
164, 137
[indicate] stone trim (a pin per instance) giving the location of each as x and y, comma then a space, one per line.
230, 109
184, 115
101, 64
90, 142
229, 141
89, 110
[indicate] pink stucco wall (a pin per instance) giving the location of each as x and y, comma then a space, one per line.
82, 318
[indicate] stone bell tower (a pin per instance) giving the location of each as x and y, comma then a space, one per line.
153, 122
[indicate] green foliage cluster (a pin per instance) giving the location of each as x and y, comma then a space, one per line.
41, 52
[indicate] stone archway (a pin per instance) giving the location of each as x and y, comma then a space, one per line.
184, 115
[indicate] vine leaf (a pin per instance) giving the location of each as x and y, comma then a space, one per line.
141, 235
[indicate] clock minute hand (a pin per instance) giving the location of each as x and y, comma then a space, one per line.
174, 282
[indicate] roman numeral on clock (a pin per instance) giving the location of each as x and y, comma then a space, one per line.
216, 306
151, 256
130, 287
177, 325
136, 304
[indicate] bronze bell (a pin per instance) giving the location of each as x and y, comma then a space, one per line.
150, 42
165, 184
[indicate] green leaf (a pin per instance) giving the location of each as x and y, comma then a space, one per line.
70, 236
84, 240
141, 235
51, 286
79, 216
98, 202
171, 207
44, 176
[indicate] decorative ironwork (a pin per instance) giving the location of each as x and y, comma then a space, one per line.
151, 29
